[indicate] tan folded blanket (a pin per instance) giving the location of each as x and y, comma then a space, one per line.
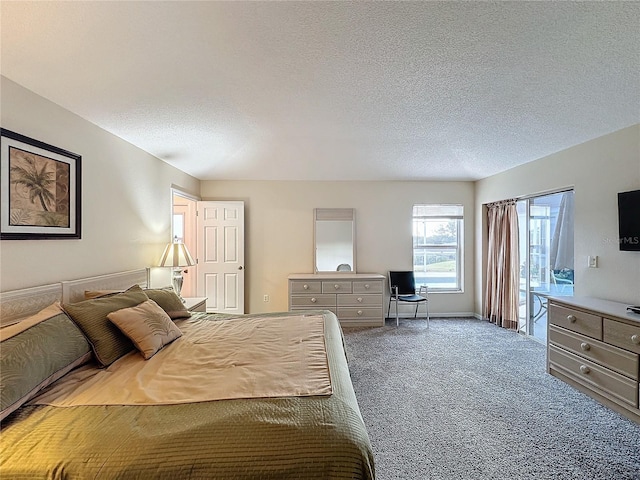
213, 360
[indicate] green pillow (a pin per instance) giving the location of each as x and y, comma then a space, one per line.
167, 299
36, 352
107, 341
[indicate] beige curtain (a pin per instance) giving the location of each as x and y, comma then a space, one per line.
503, 265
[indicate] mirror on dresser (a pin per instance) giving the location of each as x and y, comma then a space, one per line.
334, 240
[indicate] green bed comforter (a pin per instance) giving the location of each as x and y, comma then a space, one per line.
275, 438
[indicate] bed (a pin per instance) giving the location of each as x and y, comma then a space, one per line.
279, 427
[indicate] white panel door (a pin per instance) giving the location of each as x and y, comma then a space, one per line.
221, 256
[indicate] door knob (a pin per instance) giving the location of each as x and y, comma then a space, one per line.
240, 267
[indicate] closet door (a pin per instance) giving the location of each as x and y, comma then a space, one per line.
220, 227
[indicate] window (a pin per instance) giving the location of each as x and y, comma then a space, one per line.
437, 246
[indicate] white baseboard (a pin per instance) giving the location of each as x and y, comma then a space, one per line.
439, 315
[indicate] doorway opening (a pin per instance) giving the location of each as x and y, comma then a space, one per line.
184, 229
546, 257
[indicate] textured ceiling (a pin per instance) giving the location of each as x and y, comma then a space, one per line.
334, 90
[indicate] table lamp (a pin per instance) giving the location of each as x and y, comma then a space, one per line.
177, 256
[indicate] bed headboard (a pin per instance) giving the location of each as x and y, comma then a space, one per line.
73, 291
18, 304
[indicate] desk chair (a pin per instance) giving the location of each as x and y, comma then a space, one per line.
402, 288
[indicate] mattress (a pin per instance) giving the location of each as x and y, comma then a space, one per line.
301, 437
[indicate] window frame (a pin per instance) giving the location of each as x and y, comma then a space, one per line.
424, 249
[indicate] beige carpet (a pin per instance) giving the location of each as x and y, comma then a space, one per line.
465, 399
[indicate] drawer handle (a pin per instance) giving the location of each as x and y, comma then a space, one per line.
571, 318
305, 286
585, 346
366, 286
635, 339
359, 312
584, 369
336, 286
313, 300
360, 299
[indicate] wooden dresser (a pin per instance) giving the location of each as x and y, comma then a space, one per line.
356, 298
594, 345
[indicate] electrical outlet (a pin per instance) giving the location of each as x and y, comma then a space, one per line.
593, 261
266, 298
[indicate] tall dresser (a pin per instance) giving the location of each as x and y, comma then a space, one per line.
594, 345
356, 298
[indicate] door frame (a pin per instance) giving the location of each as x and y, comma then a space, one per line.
528, 320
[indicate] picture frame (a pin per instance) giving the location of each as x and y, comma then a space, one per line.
40, 190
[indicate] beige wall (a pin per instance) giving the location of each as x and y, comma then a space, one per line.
126, 198
127, 212
279, 230
598, 170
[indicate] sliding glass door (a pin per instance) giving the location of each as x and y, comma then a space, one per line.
546, 257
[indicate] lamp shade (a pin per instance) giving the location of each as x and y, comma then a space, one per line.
176, 255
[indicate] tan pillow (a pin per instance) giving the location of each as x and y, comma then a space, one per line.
91, 294
147, 325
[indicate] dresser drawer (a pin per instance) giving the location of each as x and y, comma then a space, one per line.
591, 374
576, 320
350, 313
352, 299
614, 358
315, 301
304, 286
367, 287
623, 335
336, 287
357, 299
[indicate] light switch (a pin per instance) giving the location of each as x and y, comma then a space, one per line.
593, 261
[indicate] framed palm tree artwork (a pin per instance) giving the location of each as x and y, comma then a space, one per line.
40, 195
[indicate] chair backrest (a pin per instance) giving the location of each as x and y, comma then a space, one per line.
405, 281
